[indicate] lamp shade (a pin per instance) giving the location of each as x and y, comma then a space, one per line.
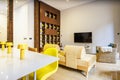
22, 46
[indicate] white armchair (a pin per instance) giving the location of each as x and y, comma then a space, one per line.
76, 57
106, 54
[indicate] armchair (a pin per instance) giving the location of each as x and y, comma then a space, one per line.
76, 57
106, 54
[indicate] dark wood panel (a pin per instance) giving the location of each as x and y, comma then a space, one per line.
43, 8
50, 32
10, 21
46, 28
36, 24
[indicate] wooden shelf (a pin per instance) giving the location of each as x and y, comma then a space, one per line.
49, 25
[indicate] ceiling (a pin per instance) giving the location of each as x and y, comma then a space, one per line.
59, 4
65, 4
4, 4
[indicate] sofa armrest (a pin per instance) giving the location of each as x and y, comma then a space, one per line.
89, 59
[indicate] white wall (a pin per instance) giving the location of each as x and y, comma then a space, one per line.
24, 24
31, 23
3, 27
98, 17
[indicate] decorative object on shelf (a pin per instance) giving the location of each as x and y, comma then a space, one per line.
49, 33
22, 48
9, 45
112, 45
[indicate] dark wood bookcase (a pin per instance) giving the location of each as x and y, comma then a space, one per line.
49, 26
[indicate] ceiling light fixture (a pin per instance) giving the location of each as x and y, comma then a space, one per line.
16, 1
67, 0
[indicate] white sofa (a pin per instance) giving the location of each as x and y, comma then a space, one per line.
76, 57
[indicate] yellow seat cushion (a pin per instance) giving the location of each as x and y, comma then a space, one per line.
45, 72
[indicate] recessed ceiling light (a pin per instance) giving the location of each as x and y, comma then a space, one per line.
67, 0
16, 1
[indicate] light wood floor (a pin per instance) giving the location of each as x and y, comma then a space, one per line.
102, 71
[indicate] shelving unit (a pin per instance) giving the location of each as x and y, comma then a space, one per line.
49, 26
49, 33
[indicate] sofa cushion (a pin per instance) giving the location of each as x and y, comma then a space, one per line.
78, 50
87, 61
106, 49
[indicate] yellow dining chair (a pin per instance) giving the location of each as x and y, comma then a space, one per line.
47, 71
30, 49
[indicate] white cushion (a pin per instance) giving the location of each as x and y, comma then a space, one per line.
79, 50
106, 49
87, 61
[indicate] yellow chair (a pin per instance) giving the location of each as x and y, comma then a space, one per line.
45, 72
30, 49
46, 46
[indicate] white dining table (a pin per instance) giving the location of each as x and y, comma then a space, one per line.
12, 68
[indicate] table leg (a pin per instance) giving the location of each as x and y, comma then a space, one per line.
34, 75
